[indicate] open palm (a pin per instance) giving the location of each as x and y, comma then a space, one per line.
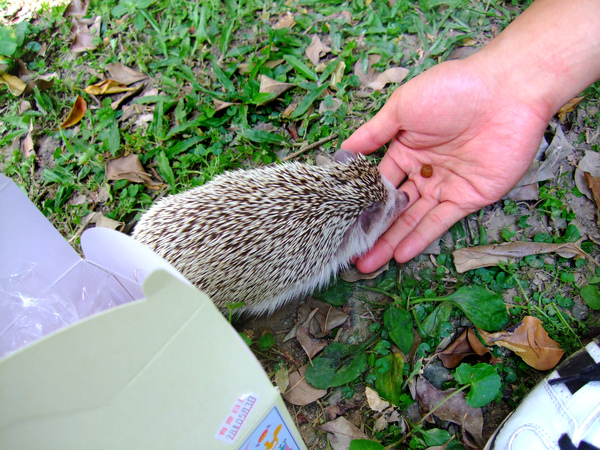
478, 137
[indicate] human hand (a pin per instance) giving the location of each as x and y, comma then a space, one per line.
476, 133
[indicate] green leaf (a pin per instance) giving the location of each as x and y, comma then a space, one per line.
226, 37
364, 444
591, 296
483, 307
308, 100
8, 41
263, 137
388, 383
340, 364
225, 81
266, 341
484, 380
435, 436
338, 294
164, 168
439, 315
398, 322
300, 67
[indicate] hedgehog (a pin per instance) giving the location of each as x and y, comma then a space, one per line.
264, 236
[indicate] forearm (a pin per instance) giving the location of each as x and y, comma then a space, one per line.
548, 55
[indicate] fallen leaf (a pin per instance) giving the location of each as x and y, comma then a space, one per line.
341, 433
454, 409
219, 104
594, 185
82, 43
27, 144
353, 274
107, 87
301, 393
15, 85
77, 8
271, 86
282, 379
310, 345
287, 21
528, 192
76, 114
569, 107
490, 255
452, 355
590, 163
101, 221
123, 74
327, 317
393, 75
316, 50
114, 105
369, 76
129, 168
273, 64
530, 341
548, 159
376, 403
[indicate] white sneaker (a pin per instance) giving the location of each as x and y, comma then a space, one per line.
561, 413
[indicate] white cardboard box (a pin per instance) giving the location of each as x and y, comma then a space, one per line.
163, 371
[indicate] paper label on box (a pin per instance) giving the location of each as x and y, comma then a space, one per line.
233, 423
272, 434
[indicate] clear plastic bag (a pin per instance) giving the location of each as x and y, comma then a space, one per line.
30, 306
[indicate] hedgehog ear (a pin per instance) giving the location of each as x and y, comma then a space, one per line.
344, 156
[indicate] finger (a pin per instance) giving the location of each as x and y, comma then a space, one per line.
390, 169
432, 226
376, 132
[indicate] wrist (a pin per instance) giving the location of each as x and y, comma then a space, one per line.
536, 63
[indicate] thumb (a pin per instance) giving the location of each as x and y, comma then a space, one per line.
377, 131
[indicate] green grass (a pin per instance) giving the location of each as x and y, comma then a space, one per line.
199, 53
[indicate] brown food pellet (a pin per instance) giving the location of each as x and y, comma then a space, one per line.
426, 171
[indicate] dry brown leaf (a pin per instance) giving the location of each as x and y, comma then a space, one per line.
490, 255
327, 317
366, 77
316, 50
287, 21
569, 107
341, 433
300, 392
454, 409
107, 87
82, 43
393, 75
123, 74
310, 345
129, 168
27, 144
594, 186
77, 8
452, 355
282, 379
353, 274
376, 403
15, 85
220, 104
271, 86
530, 341
76, 114
274, 63
114, 105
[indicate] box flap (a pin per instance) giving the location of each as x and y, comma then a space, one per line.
157, 373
